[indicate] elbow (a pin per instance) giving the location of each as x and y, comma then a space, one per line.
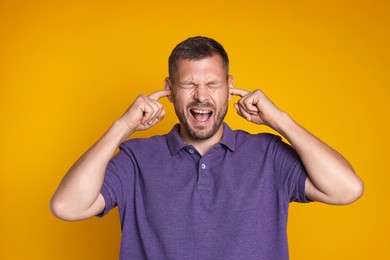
61, 211
57, 209
358, 190
353, 193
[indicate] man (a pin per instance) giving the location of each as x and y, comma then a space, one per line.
204, 191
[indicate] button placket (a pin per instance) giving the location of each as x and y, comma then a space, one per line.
203, 181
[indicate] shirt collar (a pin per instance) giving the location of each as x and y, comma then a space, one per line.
176, 143
228, 138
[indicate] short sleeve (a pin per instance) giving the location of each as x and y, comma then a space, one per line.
290, 174
117, 182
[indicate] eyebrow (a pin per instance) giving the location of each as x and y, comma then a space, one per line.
187, 83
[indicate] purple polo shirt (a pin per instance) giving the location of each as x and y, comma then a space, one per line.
232, 203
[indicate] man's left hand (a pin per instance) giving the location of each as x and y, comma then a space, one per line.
256, 107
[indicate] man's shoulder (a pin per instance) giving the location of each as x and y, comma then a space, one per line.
264, 137
255, 143
153, 142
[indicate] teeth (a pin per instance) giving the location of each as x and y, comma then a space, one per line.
198, 111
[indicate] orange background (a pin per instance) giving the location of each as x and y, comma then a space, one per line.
68, 69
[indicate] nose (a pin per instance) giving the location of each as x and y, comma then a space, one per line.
201, 93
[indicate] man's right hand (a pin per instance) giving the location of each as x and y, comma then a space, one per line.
145, 111
78, 195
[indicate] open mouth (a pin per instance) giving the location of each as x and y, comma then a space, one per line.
201, 115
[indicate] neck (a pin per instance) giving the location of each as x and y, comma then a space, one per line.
203, 145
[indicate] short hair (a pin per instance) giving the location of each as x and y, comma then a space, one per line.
197, 48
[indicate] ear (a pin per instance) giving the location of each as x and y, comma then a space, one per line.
168, 85
230, 85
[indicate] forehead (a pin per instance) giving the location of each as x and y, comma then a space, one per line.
209, 68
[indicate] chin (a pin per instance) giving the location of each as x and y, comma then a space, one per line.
201, 133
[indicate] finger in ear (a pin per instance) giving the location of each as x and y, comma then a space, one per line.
168, 85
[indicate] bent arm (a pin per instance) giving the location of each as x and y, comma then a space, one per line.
332, 179
78, 195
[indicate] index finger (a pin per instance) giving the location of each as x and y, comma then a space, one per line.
238, 92
159, 94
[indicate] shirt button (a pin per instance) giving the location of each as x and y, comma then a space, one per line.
203, 166
191, 151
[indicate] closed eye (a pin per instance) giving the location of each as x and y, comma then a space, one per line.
214, 85
187, 85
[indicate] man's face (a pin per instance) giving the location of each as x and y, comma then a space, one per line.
200, 94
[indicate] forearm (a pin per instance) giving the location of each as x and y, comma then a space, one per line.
81, 186
332, 176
